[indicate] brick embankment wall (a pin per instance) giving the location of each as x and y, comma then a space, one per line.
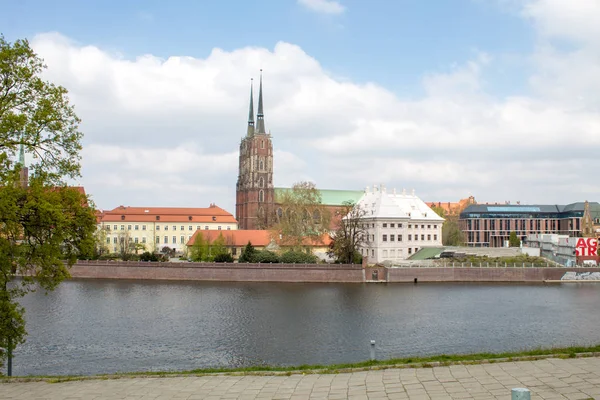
480, 274
219, 272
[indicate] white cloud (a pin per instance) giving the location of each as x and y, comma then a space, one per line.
323, 6
166, 131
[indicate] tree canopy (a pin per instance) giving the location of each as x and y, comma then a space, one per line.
44, 224
350, 234
303, 217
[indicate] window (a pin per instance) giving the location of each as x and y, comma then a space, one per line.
107, 240
189, 228
393, 253
409, 226
384, 225
228, 228
144, 239
206, 227
372, 253
261, 196
416, 249
372, 225
158, 227
166, 227
434, 237
182, 228
234, 251
158, 239
166, 239
392, 237
174, 228
122, 227
399, 238
137, 227
385, 253
197, 227
136, 240
435, 227
392, 225
158, 217
114, 227
174, 239
143, 227
399, 225
409, 250
372, 238
219, 227
385, 238
261, 182
262, 144
182, 239
416, 238
422, 237
260, 165
428, 226
409, 238
428, 237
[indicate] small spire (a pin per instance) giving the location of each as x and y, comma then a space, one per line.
260, 117
251, 112
22, 155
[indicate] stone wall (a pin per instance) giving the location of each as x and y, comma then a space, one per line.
219, 272
480, 274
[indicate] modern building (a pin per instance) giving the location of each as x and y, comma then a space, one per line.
153, 228
397, 225
558, 248
491, 224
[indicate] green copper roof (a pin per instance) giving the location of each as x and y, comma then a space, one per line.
330, 197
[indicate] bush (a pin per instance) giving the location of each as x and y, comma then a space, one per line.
147, 256
224, 258
298, 257
248, 254
265, 256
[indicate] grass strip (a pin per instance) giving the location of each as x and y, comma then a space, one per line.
408, 362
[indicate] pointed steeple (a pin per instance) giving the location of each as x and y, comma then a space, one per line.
260, 117
22, 155
251, 112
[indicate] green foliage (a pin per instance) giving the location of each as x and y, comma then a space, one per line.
248, 254
452, 235
223, 258
147, 256
513, 240
46, 222
265, 256
203, 250
439, 211
298, 257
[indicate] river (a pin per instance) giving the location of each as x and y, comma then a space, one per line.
107, 326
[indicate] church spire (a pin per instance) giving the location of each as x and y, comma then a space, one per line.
251, 112
260, 117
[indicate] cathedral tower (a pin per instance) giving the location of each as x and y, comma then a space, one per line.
255, 196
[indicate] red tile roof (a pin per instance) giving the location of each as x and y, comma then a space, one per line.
167, 214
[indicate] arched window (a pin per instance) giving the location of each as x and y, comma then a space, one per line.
261, 196
261, 182
279, 212
316, 215
260, 165
261, 213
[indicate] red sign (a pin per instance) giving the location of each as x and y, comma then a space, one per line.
586, 247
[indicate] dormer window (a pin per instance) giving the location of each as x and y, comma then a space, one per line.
158, 217
190, 218
214, 218
122, 217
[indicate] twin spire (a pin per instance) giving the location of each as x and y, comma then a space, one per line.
260, 117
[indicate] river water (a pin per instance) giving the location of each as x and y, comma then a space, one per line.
102, 326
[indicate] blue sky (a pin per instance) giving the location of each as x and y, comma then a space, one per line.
388, 42
499, 99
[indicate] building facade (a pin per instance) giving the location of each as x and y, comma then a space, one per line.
397, 225
491, 225
153, 228
255, 196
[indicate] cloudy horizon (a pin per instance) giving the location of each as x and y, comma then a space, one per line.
510, 112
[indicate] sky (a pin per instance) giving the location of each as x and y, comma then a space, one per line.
499, 99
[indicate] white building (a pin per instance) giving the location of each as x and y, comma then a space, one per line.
153, 228
397, 224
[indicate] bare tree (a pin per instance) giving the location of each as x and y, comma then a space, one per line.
350, 235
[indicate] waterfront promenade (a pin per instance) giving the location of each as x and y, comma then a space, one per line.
575, 378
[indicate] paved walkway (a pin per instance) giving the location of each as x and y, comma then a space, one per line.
547, 379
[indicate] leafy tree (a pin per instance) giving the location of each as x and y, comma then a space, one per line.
199, 249
217, 248
43, 222
452, 235
299, 257
513, 240
147, 256
125, 246
303, 218
248, 254
350, 235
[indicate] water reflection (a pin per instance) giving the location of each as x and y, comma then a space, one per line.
92, 327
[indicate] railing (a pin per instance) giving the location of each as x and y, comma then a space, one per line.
490, 265
186, 264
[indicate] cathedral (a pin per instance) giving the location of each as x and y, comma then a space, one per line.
255, 194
